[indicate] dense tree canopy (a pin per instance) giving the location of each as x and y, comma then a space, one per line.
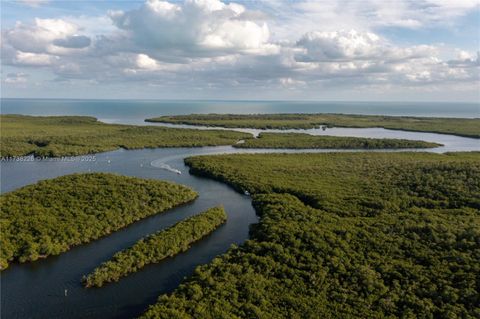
344, 235
455, 126
299, 140
155, 248
353, 184
77, 135
49, 217
45, 136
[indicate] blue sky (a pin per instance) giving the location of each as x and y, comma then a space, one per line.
425, 50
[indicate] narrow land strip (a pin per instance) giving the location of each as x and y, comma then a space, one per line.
157, 247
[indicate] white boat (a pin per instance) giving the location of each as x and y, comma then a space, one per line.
166, 167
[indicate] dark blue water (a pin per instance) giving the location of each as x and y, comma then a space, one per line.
36, 289
141, 109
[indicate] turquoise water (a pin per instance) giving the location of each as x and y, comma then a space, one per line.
141, 109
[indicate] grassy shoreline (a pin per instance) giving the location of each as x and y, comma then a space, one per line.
453, 126
51, 216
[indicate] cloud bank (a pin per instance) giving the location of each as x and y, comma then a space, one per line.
208, 44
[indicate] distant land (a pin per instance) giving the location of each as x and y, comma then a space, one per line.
127, 111
45, 136
455, 126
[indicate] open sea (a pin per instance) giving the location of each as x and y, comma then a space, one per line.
134, 110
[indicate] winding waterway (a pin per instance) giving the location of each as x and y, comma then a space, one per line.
37, 289
451, 143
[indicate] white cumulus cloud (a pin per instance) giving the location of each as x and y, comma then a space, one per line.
210, 44
52, 36
338, 45
194, 28
33, 59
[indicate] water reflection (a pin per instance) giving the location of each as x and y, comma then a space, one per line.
451, 143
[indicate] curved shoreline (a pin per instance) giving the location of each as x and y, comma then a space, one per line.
130, 296
300, 129
47, 241
165, 244
280, 121
48, 278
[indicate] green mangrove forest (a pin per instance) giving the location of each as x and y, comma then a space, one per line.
50, 216
301, 140
77, 135
343, 235
45, 136
155, 248
454, 126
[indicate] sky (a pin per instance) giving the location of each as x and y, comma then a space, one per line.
348, 50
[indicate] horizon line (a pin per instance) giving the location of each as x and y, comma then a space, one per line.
238, 100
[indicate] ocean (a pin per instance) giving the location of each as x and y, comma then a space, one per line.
134, 110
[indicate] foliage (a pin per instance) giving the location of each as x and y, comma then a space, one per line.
455, 126
77, 135
157, 247
353, 184
51, 216
296, 140
392, 235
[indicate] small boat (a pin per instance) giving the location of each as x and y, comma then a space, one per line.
166, 167
246, 193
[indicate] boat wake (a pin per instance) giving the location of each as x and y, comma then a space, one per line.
161, 164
